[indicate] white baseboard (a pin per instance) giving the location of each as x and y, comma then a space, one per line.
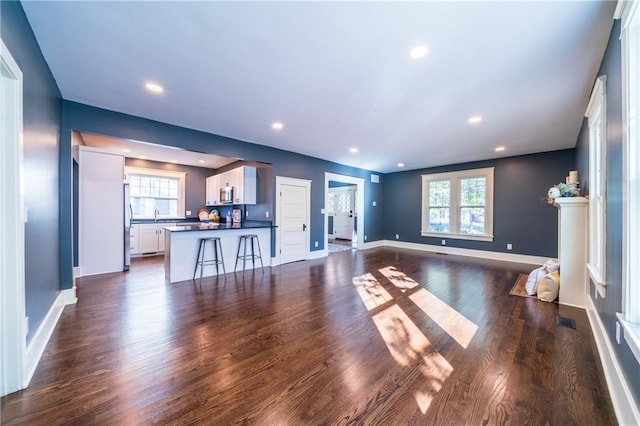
484, 254
39, 341
318, 254
373, 244
621, 396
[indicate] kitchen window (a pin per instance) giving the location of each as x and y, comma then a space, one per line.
156, 194
458, 204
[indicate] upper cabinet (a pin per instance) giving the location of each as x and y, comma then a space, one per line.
242, 179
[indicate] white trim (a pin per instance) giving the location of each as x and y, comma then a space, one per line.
69, 295
631, 333
596, 115
12, 223
282, 180
483, 254
41, 337
359, 182
373, 244
621, 396
318, 254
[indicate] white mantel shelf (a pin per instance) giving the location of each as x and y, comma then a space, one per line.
572, 249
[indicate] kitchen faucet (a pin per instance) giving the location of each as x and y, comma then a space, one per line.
156, 212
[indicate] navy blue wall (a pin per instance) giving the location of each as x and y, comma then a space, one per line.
520, 216
607, 307
89, 119
41, 120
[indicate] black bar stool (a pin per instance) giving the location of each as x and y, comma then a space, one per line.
202, 261
248, 241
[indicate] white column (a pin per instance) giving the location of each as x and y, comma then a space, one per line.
572, 249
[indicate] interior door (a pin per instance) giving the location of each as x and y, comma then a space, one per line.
344, 213
293, 216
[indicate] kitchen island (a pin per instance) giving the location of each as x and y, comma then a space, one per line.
182, 242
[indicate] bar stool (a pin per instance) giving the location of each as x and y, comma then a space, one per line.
248, 241
202, 261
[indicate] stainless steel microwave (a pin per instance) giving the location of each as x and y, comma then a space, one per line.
226, 195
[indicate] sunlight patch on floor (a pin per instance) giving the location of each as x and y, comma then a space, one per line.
454, 323
435, 370
398, 278
370, 291
403, 338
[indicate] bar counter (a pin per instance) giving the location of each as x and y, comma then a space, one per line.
182, 242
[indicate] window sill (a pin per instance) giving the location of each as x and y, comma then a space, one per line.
631, 335
472, 237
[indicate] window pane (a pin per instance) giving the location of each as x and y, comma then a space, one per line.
439, 193
149, 193
473, 191
472, 220
439, 219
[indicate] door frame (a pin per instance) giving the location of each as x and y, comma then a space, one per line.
12, 223
282, 180
359, 182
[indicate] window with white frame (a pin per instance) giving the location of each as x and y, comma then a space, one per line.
156, 194
629, 12
458, 204
597, 121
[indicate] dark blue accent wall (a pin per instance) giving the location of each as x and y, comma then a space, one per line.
520, 216
89, 119
42, 108
607, 308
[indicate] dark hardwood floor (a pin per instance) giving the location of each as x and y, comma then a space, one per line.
380, 336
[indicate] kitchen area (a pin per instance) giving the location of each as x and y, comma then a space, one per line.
131, 202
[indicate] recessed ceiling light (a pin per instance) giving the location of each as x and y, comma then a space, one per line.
499, 148
174, 161
353, 150
126, 150
419, 52
276, 125
142, 157
475, 119
400, 164
153, 87
201, 161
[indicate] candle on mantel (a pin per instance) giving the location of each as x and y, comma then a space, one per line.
573, 176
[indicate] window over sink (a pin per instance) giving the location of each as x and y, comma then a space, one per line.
156, 194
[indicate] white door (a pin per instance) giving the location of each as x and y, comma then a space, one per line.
292, 218
344, 212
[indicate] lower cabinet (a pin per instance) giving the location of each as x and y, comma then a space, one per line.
149, 238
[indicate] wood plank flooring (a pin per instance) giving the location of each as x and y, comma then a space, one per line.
380, 336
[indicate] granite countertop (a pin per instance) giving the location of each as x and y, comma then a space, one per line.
214, 226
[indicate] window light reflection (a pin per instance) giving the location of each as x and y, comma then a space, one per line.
370, 291
398, 278
454, 323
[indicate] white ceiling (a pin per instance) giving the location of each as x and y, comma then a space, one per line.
338, 74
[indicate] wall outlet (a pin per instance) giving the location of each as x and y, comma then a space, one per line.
444, 242
375, 204
509, 246
397, 236
617, 332
266, 213
188, 213
316, 244
365, 238
246, 213
26, 326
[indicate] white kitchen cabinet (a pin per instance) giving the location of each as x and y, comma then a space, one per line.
133, 239
244, 182
151, 237
213, 190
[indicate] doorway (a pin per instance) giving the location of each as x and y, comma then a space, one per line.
344, 212
13, 375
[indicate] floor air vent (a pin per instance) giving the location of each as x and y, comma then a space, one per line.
565, 322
